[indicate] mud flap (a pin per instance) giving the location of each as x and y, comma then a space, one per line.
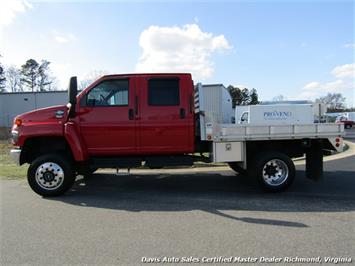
314, 161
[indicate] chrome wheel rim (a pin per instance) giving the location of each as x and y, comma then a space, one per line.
275, 172
49, 176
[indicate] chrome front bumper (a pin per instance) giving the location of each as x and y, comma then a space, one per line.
15, 155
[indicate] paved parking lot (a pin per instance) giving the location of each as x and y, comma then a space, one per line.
117, 220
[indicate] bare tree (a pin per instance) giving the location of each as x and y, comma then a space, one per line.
2, 78
333, 101
44, 79
91, 77
13, 78
279, 98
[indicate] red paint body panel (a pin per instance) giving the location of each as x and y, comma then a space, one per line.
75, 142
160, 129
108, 131
41, 122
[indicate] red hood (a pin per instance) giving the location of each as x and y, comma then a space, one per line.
45, 115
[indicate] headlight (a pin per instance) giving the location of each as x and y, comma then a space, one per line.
14, 136
18, 122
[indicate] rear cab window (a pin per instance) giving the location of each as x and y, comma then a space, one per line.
163, 92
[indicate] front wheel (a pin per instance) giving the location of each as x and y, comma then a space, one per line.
50, 175
273, 170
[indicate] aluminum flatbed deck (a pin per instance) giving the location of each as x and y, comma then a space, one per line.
233, 132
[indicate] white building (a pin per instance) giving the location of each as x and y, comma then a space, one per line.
13, 104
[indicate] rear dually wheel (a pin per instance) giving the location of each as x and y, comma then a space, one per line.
273, 170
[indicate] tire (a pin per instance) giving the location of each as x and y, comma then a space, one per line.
274, 171
50, 175
236, 168
348, 126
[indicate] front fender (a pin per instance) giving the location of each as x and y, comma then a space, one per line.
75, 142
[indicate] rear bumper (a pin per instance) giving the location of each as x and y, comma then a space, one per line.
15, 155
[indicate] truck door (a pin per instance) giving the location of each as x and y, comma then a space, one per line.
165, 116
106, 117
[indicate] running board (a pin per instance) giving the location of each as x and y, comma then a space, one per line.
116, 162
133, 161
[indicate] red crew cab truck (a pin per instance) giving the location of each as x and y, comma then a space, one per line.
124, 121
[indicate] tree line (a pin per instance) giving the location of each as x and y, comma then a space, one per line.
243, 96
335, 102
31, 76
36, 76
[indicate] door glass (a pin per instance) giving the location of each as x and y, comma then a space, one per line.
244, 118
163, 92
109, 93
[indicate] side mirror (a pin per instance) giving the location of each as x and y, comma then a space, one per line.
72, 92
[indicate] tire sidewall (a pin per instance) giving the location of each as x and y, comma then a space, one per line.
258, 166
69, 176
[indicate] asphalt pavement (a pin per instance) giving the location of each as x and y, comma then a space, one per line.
122, 220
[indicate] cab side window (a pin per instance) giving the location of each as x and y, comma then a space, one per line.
109, 93
163, 92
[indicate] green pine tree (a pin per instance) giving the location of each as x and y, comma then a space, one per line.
29, 73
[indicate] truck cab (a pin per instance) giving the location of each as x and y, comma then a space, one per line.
136, 114
116, 122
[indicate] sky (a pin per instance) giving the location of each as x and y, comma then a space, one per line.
299, 49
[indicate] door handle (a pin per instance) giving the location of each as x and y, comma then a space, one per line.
182, 113
130, 114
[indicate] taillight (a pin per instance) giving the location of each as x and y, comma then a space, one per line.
18, 122
337, 142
